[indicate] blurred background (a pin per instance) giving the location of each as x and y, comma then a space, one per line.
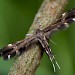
16, 16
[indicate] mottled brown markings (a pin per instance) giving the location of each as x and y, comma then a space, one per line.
41, 36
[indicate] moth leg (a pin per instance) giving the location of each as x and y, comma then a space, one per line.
26, 43
6, 49
9, 51
48, 51
15, 49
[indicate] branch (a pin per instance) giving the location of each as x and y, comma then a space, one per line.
27, 63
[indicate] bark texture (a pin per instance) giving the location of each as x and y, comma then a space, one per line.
27, 63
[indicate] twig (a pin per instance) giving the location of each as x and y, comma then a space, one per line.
27, 63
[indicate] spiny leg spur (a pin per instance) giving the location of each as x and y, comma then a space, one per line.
44, 42
41, 36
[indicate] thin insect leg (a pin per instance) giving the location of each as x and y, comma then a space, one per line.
9, 47
21, 47
19, 42
45, 45
10, 53
13, 49
52, 42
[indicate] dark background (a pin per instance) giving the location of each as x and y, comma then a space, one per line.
16, 16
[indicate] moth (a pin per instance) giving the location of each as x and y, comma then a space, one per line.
41, 36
